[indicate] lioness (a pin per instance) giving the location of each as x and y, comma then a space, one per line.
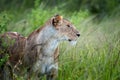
38, 53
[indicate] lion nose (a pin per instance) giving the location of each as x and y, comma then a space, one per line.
78, 34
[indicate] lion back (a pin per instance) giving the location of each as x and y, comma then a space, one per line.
12, 43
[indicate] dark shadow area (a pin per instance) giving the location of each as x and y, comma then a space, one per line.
93, 6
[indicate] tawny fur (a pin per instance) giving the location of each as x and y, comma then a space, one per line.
38, 53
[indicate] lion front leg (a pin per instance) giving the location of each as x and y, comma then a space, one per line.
52, 72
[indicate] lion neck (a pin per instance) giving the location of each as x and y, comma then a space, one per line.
47, 36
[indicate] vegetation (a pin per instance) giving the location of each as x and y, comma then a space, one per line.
97, 53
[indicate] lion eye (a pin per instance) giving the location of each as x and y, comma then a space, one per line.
68, 25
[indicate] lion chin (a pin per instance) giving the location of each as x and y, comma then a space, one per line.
73, 43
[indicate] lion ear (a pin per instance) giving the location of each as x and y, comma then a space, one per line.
57, 20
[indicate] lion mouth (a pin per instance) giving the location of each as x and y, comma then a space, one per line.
72, 42
69, 40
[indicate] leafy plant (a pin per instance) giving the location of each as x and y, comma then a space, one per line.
4, 21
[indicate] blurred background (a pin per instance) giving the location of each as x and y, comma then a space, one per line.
94, 6
97, 53
35, 12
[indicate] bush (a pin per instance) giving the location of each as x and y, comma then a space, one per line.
5, 19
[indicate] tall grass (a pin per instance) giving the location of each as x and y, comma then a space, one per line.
96, 56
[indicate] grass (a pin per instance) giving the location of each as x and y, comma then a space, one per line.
97, 53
